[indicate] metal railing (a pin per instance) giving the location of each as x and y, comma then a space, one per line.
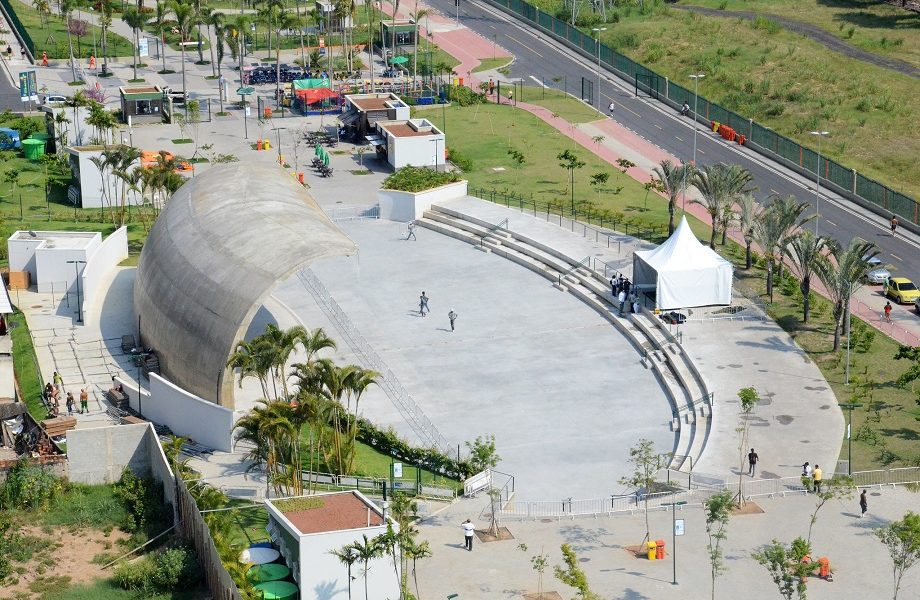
585, 262
354, 213
407, 407
699, 487
375, 485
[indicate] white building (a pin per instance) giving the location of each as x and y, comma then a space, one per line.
412, 143
307, 528
46, 255
362, 111
78, 131
87, 188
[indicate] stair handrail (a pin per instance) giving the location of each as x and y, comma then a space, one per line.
585, 262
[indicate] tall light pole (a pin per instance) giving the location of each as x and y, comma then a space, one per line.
674, 535
696, 95
849, 406
597, 42
76, 268
819, 134
278, 129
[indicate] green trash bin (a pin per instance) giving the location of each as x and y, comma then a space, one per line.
33, 149
277, 590
40, 135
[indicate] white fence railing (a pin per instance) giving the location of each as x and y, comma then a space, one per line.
701, 488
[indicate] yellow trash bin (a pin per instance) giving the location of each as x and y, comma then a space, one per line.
715, 125
652, 550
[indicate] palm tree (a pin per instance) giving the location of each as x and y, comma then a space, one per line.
774, 228
720, 186
389, 543
366, 551
283, 21
348, 556
43, 7
160, 26
246, 358
237, 29
843, 276
135, 20
67, 7
106, 10
807, 254
185, 17
674, 180
414, 551
60, 123
417, 17
358, 381
749, 214
215, 22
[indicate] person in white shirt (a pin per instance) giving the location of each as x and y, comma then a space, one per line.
468, 529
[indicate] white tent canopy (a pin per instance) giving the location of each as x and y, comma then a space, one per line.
685, 272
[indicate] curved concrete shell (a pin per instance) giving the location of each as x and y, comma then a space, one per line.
220, 246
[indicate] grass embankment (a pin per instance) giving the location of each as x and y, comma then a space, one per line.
560, 103
485, 133
784, 81
867, 24
487, 64
25, 365
53, 37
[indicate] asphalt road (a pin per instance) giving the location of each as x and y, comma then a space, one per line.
539, 59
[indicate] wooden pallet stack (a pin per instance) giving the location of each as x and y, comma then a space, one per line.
59, 425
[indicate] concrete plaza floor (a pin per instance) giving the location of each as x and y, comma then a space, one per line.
501, 570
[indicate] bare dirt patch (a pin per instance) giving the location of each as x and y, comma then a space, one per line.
503, 534
68, 551
543, 596
749, 508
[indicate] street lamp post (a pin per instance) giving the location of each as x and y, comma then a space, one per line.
597, 43
849, 406
674, 506
278, 129
819, 134
437, 166
76, 267
696, 95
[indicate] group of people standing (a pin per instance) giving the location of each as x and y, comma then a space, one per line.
621, 288
52, 397
423, 310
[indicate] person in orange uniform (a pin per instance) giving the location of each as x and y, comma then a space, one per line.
44, 59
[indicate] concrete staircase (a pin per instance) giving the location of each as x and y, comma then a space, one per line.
689, 397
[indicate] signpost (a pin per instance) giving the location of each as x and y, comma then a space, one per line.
143, 47
28, 87
242, 93
678, 525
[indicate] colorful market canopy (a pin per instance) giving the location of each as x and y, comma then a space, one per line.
310, 84
399, 60
314, 95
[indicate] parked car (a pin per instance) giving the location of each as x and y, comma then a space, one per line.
902, 290
673, 317
175, 95
54, 99
917, 305
878, 276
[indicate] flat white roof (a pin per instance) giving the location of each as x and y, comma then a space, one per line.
67, 240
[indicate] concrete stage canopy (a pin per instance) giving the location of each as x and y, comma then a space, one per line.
218, 249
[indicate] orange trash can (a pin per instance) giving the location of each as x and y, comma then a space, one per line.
824, 570
258, 144
300, 177
267, 113
659, 549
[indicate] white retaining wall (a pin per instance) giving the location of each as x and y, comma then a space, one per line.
184, 413
111, 252
408, 206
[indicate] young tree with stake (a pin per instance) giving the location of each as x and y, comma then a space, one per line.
646, 464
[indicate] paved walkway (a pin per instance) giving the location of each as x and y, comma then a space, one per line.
501, 570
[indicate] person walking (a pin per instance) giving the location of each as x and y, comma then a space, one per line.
806, 472
610, 110
894, 224
491, 86
818, 478
510, 96
44, 59
70, 403
423, 304
453, 317
752, 462
468, 533
863, 504
411, 225
58, 382
887, 311
621, 298
84, 401
22, 53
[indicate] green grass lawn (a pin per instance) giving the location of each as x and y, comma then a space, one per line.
26, 365
249, 522
486, 132
786, 82
53, 38
566, 106
870, 25
487, 64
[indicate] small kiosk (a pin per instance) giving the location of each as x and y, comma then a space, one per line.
143, 104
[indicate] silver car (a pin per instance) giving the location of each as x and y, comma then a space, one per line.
878, 276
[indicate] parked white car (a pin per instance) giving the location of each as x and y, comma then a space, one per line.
878, 276
54, 99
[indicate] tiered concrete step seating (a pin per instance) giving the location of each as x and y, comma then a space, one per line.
669, 363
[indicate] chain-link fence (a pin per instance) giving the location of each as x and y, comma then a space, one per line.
843, 180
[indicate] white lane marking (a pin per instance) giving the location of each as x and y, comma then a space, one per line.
523, 44
657, 125
897, 257
678, 137
539, 82
831, 222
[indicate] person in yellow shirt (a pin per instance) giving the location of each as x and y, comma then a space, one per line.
819, 475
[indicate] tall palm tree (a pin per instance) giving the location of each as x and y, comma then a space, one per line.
236, 30
184, 15
773, 230
283, 22
417, 16
160, 26
106, 10
358, 381
720, 186
749, 214
136, 20
807, 254
414, 551
843, 275
215, 22
367, 551
67, 7
389, 543
674, 180
250, 361
348, 556
125, 158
